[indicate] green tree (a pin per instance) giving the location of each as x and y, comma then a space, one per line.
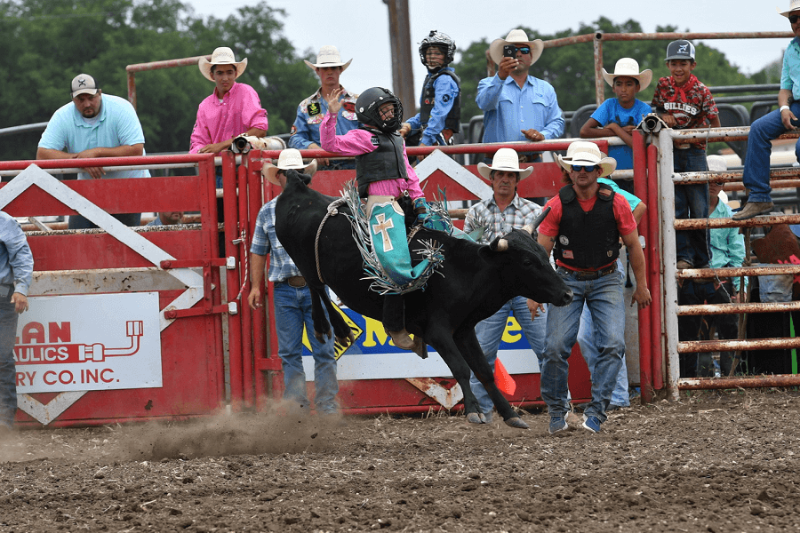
47, 42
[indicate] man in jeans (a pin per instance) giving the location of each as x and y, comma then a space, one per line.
584, 225
504, 211
292, 301
16, 273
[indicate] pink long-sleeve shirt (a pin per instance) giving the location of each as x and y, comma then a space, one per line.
359, 142
217, 121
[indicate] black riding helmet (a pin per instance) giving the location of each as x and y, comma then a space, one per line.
367, 109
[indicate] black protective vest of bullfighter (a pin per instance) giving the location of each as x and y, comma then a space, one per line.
453, 119
387, 162
592, 239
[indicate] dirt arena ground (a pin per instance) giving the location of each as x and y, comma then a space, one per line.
713, 462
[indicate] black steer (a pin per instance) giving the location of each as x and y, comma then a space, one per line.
476, 281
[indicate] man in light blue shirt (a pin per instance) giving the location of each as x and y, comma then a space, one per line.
516, 105
16, 274
94, 125
771, 126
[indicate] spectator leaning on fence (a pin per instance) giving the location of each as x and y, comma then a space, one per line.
617, 117
516, 105
685, 103
305, 130
772, 125
232, 109
16, 274
94, 125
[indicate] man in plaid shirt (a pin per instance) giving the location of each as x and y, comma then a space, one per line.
500, 214
292, 299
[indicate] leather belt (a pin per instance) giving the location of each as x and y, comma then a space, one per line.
587, 275
298, 282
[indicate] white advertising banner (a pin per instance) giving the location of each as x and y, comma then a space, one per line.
89, 342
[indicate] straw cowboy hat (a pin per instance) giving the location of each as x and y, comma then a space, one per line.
328, 57
507, 160
794, 5
515, 37
221, 56
289, 159
629, 68
587, 153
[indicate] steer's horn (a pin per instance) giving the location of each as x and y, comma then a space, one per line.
539, 219
502, 245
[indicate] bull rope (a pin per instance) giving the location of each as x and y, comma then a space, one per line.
333, 210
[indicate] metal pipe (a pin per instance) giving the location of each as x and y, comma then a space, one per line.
713, 223
731, 176
668, 247
640, 188
656, 269
737, 309
730, 345
734, 383
745, 99
731, 272
14, 130
242, 288
599, 88
47, 164
775, 87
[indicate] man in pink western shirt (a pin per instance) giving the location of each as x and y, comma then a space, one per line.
232, 109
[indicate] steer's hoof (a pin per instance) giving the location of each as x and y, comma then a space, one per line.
474, 418
516, 422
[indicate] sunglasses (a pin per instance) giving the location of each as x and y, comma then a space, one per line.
793, 18
524, 49
587, 168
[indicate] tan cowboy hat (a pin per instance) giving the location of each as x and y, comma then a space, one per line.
507, 160
587, 153
328, 57
515, 37
221, 56
629, 68
794, 5
290, 159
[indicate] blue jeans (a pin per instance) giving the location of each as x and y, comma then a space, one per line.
292, 310
587, 342
759, 148
606, 303
691, 201
490, 332
8, 374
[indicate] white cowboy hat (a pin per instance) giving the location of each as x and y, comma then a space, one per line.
507, 160
221, 56
328, 57
794, 5
288, 160
515, 37
629, 68
716, 163
587, 153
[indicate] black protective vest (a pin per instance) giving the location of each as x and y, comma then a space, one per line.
587, 240
453, 119
385, 163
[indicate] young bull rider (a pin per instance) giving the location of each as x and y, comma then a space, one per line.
384, 175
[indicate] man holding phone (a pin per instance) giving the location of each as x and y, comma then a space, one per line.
516, 105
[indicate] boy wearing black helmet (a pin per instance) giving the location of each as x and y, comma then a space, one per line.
440, 102
685, 103
384, 175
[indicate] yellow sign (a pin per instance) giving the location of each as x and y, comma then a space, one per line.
339, 349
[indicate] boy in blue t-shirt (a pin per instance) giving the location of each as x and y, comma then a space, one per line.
617, 117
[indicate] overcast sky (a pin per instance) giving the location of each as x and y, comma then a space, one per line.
360, 28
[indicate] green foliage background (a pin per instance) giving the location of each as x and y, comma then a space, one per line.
46, 43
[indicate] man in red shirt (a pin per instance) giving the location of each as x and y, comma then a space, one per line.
586, 221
